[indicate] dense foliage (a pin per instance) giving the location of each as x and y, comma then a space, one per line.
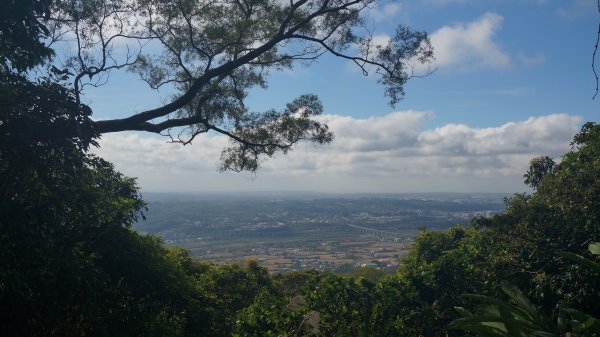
520, 317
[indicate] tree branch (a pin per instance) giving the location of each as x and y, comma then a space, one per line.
594, 54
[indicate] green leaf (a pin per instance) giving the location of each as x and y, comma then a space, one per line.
495, 302
582, 321
480, 325
463, 311
594, 248
538, 317
542, 334
581, 260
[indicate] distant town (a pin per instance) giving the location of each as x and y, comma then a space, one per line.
285, 232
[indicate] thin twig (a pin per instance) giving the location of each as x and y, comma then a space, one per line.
594, 56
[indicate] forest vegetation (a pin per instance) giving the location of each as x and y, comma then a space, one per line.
72, 265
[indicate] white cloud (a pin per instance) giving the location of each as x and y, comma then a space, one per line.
381, 40
536, 135
392, 153
383, 11
470, 46
531, 60
376, 133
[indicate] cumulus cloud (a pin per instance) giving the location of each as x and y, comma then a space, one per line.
398, 129
534, 135
391, 153
471, 45
397, 143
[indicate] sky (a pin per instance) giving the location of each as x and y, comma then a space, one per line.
513, 81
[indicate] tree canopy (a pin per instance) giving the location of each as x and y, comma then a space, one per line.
208, 55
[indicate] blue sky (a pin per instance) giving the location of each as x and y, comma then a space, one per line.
513, 81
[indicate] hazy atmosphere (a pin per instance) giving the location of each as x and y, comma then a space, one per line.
512, 80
